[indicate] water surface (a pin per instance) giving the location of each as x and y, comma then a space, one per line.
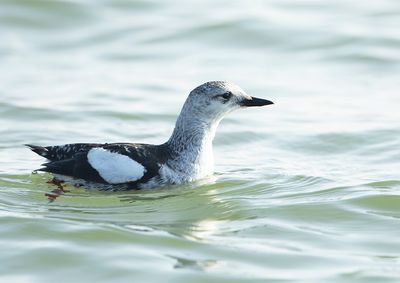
307, 190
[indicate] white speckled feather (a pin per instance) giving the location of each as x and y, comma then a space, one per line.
115, 168
185, 157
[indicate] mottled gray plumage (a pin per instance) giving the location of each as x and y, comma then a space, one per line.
185, 157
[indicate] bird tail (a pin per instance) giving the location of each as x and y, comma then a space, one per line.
42, 151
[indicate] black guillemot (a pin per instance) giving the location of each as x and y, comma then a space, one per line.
185, 157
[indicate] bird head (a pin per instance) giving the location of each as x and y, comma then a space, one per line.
213, 100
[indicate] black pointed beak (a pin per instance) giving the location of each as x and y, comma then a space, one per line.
254, 101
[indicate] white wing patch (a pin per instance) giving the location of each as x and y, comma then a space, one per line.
113, 167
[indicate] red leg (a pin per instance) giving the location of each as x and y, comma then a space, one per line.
54, 194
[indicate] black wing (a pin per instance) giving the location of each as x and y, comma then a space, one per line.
77, 167
71, 160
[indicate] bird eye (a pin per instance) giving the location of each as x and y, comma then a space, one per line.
227, 95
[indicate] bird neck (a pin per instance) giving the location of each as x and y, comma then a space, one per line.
192, 134
191, 144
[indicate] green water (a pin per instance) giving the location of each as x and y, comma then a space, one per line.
306, 190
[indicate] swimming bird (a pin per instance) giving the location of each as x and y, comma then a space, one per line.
185, 157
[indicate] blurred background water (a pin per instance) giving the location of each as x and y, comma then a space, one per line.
307, 190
